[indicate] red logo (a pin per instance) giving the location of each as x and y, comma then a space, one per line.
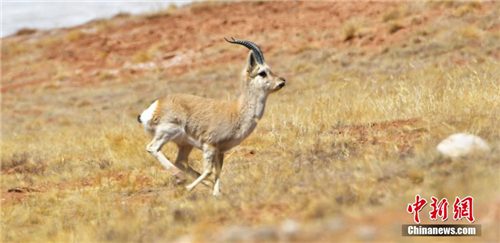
461, 208
416, 207
439, 209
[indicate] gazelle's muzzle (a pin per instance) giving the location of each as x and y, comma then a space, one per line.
282, 82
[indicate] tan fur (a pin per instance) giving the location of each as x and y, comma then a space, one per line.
213, 126
209, 121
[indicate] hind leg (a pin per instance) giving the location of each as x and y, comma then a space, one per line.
154, 147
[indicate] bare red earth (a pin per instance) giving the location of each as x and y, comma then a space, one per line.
285, 26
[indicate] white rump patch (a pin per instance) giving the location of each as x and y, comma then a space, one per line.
147, 115
462, 144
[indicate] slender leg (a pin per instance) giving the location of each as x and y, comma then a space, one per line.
182, 163
218, 168
209, 154
154, 149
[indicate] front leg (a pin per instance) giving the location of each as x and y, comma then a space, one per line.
182, 163
209, 156
218, 168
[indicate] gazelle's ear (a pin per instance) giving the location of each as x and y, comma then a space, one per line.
251, 62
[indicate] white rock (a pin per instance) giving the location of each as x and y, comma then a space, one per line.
462, 144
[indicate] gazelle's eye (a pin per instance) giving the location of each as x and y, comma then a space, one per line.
263, 74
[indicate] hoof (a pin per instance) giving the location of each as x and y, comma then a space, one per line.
217, 194
180, 179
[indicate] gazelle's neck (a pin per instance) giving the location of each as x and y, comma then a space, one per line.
251, 105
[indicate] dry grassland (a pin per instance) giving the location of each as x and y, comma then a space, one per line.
340, 152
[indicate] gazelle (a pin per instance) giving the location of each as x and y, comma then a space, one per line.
214, 126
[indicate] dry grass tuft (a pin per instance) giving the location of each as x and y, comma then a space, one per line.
170, 10
74, 35
14, 48
351, 29
26, 31
391, 14
463, 10
394, 26
469, 32
199, 7
143, 56
24, 164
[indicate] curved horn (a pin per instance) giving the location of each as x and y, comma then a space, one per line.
250, 45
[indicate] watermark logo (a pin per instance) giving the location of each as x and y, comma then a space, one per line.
462, 208
439, 209
416, 207
441, 230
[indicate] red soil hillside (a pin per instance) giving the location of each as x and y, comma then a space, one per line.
174, 38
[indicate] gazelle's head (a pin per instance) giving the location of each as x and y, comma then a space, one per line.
257, 74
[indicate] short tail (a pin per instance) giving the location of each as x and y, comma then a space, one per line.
139, 118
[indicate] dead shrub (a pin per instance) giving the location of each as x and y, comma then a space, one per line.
22, 163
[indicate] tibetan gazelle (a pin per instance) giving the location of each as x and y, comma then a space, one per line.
214, 126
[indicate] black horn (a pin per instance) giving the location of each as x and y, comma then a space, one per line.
250, 45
